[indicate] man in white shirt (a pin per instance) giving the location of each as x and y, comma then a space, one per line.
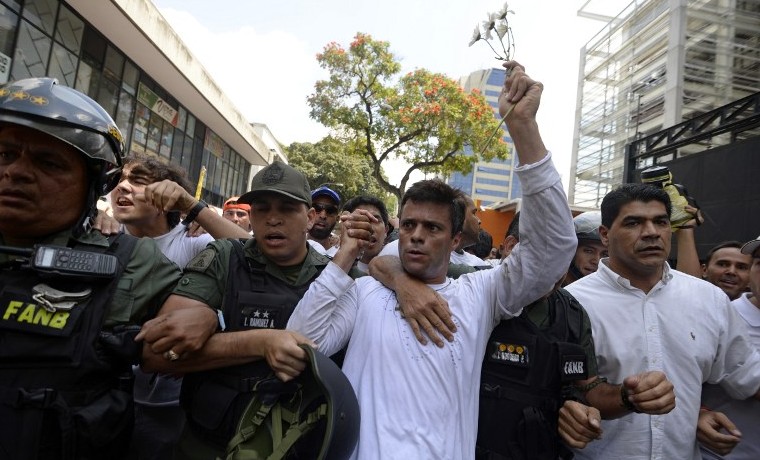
469, 237
741, 430
148, 202
647, 317
418, 401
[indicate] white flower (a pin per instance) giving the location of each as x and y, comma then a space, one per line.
488, 26
475, 36
501, 30
502, 13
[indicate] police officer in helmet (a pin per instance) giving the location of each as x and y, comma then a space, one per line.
66, 331
590, 249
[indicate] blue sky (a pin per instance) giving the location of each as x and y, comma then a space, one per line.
262, 54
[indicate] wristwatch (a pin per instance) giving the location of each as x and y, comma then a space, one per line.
194, 212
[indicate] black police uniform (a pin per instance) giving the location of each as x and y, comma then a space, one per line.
524, 371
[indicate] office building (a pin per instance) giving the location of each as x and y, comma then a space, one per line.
654, 65
123, 54
493, 181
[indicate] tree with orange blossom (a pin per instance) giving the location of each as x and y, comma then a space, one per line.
425, 118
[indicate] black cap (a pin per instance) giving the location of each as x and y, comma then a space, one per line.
279, 178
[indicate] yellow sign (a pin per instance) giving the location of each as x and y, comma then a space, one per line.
201, 181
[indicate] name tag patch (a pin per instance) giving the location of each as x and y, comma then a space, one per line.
259, 318
509, 353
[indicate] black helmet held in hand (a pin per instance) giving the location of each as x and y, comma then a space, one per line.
316, 416
73, 118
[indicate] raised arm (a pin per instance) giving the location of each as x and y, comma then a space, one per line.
170, 196
547, 236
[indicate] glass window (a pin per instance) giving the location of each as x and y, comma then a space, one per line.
114, 64
108, 96
166, 140
32, 53
140, 133
181, 118
196, 159
190, 130
124, 113
93, 47
14, 5
69, 29
131, 77
41, 13
87, 79
155, 125
8, 24
179, 140
63, 65
224, 178
187, 153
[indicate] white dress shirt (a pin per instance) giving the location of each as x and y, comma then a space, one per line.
420, 401
744, 414
684, 327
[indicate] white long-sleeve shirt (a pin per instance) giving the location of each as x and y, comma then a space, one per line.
422, 401
745, 414
684, 327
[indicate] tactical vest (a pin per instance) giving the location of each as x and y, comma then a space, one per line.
65, 383
215, 400
524, 371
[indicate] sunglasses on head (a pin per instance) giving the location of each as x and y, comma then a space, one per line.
330, 209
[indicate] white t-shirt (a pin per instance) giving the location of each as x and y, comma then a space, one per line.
421, 402
684, 327
745, 414
178, 247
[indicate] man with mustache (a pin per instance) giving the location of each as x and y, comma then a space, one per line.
326, 204
647, 317
728, 268
67, 335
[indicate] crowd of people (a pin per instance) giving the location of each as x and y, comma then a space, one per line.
139, 336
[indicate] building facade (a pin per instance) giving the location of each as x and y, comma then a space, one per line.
656, 64
123, 54
494, 181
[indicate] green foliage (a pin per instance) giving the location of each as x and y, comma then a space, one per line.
423, 117
331, 162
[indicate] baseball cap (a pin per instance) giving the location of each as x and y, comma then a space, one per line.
279, 178
750, 246
232, 203
326, 191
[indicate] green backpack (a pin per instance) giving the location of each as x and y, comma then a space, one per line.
315, 416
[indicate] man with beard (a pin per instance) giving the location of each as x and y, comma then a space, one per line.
326, 203
647, 317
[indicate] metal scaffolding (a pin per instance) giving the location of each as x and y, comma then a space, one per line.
657, 64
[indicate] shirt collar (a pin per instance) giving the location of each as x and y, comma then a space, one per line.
613, 278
